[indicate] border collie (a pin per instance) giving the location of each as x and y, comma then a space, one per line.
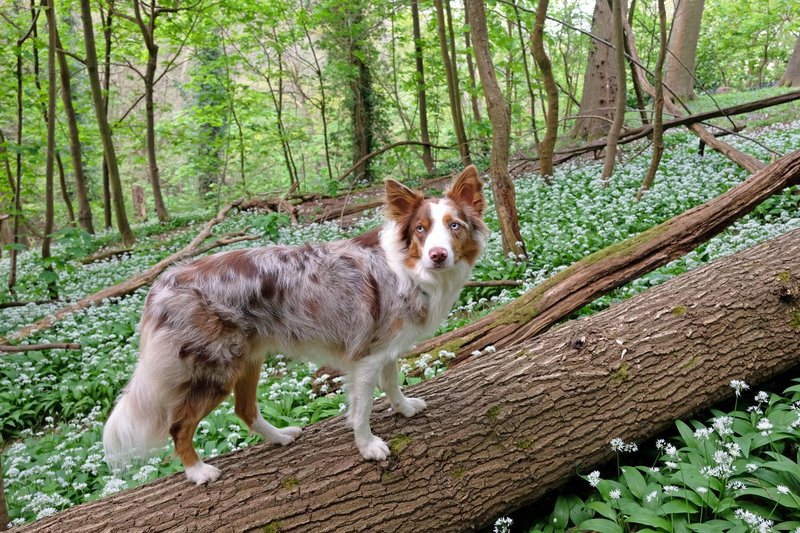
355, 305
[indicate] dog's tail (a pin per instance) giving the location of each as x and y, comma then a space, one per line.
139, 423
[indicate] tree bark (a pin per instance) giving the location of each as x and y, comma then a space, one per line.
108, 21
551, 117
62, 182
600, 80
679, 70
500, 116
140, 280
422, 99
81, 192
658, 105
473, 82
50, 116
619, 113
147, 30
605, 270
506, 430
102, 122
791, 78
452, 86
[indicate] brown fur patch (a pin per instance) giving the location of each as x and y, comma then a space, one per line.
370, 239
415, 240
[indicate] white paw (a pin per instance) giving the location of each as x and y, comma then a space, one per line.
410, 406
286, 436
375, 449
201, 473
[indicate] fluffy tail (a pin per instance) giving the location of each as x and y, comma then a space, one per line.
139, 423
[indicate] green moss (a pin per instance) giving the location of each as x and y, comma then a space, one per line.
492, 412
523, 444
621, 374
399, 443
458, 473
795, 323
273, 527
784, 277
679, 310
692, 362
290, 482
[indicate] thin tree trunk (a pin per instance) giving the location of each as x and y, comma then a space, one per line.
791, 78
322, 101
128, 237
49, 209
619, 113
62, 182
547, 145
148, 35
500, 116
473, 85
7, 166
452, 86
81, 192
658, 105
422, 100
679, 67
528, 83
605, 270
107, 20
505, 430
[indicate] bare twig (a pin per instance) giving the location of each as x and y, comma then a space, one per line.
7, 348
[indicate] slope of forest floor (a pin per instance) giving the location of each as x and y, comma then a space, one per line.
53, 403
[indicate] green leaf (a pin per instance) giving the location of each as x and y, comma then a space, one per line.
678, 507
601, 525
604, 509
635, 481
649, 518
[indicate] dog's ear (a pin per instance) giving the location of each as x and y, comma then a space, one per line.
400, 200
468, 190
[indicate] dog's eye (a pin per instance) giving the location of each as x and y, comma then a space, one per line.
420, 228
455, 226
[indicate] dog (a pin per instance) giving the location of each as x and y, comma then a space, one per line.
354, 304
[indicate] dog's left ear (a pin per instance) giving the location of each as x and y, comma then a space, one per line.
468, 190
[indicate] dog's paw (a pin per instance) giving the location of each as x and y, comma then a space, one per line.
410, 406
287, 435
375, 449
201, 473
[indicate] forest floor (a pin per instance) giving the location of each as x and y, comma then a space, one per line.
53, 403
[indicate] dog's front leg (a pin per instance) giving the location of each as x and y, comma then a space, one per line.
362, 382
390, 384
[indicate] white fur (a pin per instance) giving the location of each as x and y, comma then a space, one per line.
201, 473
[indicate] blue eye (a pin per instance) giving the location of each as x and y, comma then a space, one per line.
455, 225
420, 228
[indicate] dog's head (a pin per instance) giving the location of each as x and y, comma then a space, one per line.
438, 233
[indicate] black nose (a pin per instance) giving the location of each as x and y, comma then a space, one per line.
438, 255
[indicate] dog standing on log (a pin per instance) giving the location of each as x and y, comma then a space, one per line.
355, 305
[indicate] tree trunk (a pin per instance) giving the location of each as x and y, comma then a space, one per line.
62, 182
102, 122
49, 210
81, 192
500, 116
679, 70
619, 112
658, 105
107, 20
422, 99
473, 82
605, 270
551, 117
452, 86
791, 78
148, 35
528, 83
600, 80
508, 428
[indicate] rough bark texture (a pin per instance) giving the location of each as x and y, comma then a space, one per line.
503, 431
100, 110
679, 70
601, 272
548, 144
600, 79
145, 278
500, 116
791, 78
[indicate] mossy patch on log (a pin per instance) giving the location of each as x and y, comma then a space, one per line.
399, 443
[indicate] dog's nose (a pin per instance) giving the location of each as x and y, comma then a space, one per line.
438, 255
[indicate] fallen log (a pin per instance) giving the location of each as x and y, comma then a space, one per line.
140, 280
106, 254
505, 430
21, 348
634, 134
603, 271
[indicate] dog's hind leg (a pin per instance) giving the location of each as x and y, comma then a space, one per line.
201, 398
361, 392
246, 407
390, 384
